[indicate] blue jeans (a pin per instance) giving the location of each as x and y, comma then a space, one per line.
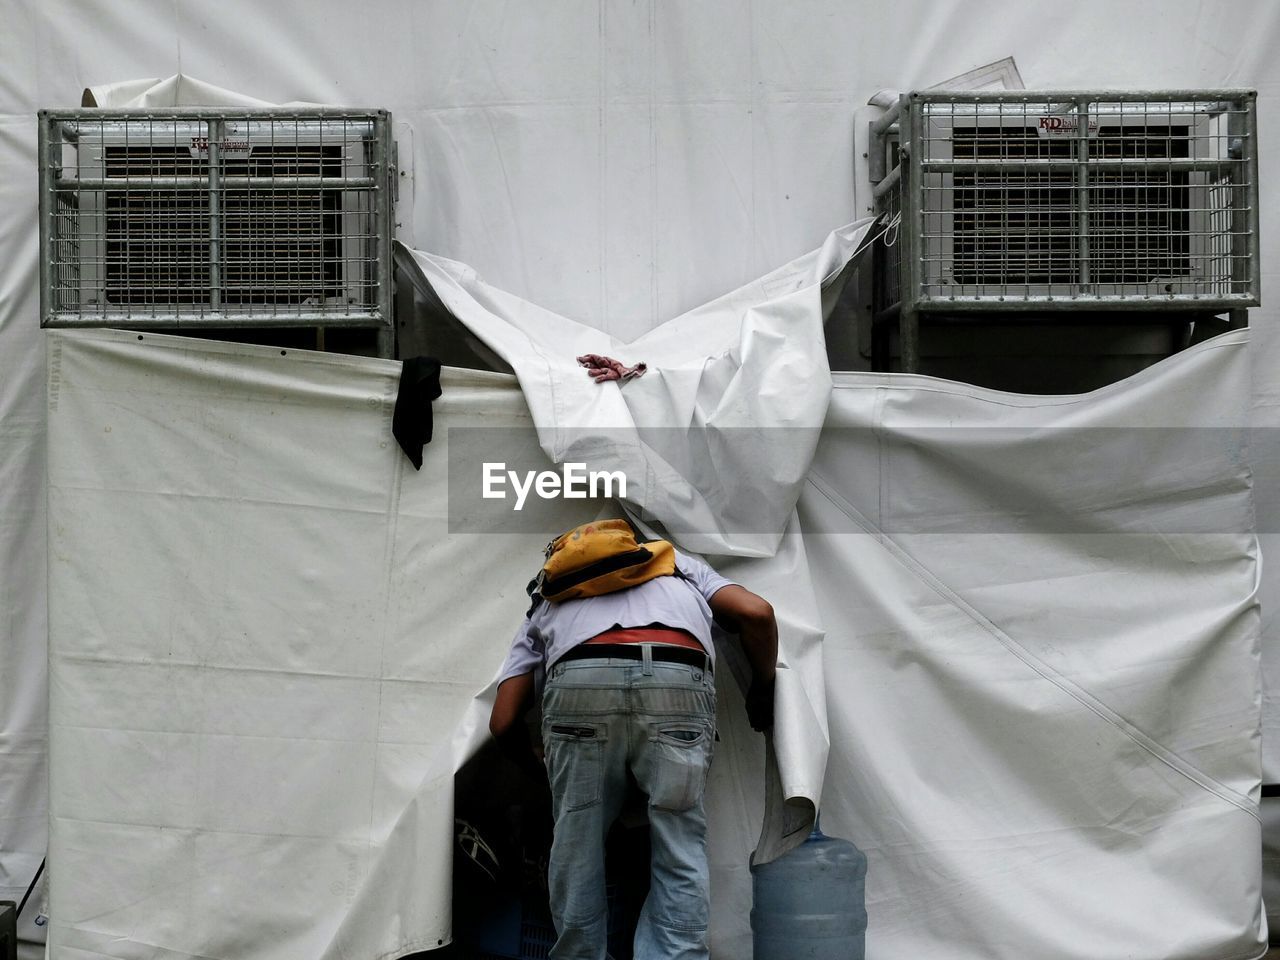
601, 717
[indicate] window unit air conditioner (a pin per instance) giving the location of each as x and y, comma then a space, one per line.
214, 219
1021, 202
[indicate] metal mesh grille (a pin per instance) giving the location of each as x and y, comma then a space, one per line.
153, 243
194, 218
887, 276
1012, 198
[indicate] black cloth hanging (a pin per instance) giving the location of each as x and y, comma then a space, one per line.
412, 421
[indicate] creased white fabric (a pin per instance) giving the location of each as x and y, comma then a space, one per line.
715, 438
270, 652
1046, 742
178, 90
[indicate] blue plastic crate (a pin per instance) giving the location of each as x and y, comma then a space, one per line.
499, 936
518, 929
537, 936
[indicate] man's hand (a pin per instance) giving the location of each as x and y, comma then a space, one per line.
760, 705
751, 617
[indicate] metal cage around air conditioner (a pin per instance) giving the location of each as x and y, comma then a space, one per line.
1018, 201
216, 218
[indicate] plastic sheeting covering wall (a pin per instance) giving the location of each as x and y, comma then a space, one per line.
1020, 636
617, 162
267, 650
270, 650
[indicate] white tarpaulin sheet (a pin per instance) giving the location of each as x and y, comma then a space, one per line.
613, 161
1041, 645
716, 438
269, 652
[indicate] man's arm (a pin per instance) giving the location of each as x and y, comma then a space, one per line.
514, 696
515, 690
506, 723
751, 617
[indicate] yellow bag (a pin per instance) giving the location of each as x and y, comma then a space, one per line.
601, 557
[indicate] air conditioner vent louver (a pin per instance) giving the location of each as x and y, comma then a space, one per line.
1022, 201
1019, 226
191, 218
156, 244
278, 247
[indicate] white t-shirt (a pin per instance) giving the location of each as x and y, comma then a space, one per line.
680, 603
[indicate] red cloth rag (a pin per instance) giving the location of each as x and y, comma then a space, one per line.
602, 369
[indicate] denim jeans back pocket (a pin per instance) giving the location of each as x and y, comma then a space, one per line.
575, 761
677, 761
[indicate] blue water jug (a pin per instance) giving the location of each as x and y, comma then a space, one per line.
810, 904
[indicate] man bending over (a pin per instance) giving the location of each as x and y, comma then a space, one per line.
623, 632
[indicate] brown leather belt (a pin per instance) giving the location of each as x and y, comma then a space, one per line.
667, 635
635, 651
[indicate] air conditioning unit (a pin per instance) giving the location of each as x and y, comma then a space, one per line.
183, 219
1053, 203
